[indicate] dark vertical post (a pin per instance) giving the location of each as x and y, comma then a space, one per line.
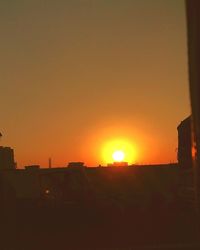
50, 163
193, 34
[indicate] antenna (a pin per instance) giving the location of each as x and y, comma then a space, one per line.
50, 163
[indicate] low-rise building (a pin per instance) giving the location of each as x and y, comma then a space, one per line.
7, 158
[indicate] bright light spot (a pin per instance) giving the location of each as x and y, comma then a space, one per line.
47, 191
118, 156
119, 150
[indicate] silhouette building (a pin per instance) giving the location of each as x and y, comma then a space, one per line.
118, 164
32, 167
75, 165
184, 143
7, 158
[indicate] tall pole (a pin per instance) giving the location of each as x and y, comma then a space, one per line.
193, 35
50, 163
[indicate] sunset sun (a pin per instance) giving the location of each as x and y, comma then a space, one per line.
119, 150
118, 156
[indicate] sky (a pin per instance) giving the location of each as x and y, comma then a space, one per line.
77, 76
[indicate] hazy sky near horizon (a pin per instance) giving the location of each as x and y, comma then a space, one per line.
77, 74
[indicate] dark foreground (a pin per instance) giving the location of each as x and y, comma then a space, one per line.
97, 226
100, 208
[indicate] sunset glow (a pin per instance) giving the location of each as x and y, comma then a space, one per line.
119, 150
85, 93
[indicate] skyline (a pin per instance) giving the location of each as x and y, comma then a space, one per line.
82, 74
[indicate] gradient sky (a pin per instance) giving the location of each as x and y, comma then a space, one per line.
77, 74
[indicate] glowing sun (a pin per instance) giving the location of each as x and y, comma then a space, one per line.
119, 150
118, 156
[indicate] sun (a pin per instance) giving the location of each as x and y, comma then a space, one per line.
119, 150
118, 156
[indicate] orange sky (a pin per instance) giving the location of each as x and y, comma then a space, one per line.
78, 74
